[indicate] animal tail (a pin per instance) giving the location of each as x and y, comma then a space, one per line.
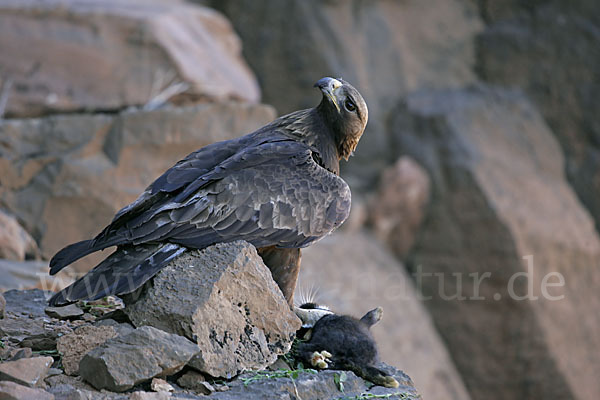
75, 251
124, 271
368, 372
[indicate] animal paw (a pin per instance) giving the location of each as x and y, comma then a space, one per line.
320, 359
390, 382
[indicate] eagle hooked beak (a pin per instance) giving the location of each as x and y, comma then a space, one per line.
328, 86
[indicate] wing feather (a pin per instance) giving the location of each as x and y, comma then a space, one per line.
270, 194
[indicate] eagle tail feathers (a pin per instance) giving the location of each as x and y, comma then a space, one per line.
124, 271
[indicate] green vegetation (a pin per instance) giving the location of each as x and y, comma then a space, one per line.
366, 396
339, 379
53, 353
280, 373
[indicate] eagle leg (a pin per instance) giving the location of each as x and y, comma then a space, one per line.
284, 265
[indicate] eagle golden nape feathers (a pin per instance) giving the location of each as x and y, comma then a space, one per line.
277, 188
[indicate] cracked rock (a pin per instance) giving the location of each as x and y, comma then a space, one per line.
224, 298
125, 361
75, 345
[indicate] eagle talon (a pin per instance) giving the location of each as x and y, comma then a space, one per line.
390, 382
320, 359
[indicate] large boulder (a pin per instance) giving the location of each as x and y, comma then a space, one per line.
551, 49
71, 55
507, 259
384, 48
65, 176
353, 273
223, 298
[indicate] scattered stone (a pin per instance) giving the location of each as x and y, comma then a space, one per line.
122, 328
280, 363
160, 385
14, 391
87, 317
26, 371
42, 341
70, 311
31, 302
15, 243
191, 380
221, 388
62, 385
2, 305
17, 328
398, 208
204, 388
125, 361
18, 354
253, 323
54, 372
149, 395
75, 345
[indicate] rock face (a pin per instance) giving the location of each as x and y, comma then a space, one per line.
15, 242
353, 273
552, 51
225, 299
386, 49
397, 209
106, 55
66, 176
74, 346
123, 362
515, 255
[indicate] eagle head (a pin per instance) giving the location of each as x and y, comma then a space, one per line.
345, 111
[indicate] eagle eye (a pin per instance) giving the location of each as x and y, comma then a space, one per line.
350, 106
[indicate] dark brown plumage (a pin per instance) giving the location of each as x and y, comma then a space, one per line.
277, 188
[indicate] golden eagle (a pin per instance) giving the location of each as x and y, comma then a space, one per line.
277, 188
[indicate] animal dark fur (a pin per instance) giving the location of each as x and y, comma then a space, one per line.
350, 345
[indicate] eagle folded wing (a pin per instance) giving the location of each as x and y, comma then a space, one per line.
270, 194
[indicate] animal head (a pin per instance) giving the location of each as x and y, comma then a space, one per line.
310, 313
345, 109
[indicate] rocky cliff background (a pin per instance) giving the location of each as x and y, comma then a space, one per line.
476, 182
